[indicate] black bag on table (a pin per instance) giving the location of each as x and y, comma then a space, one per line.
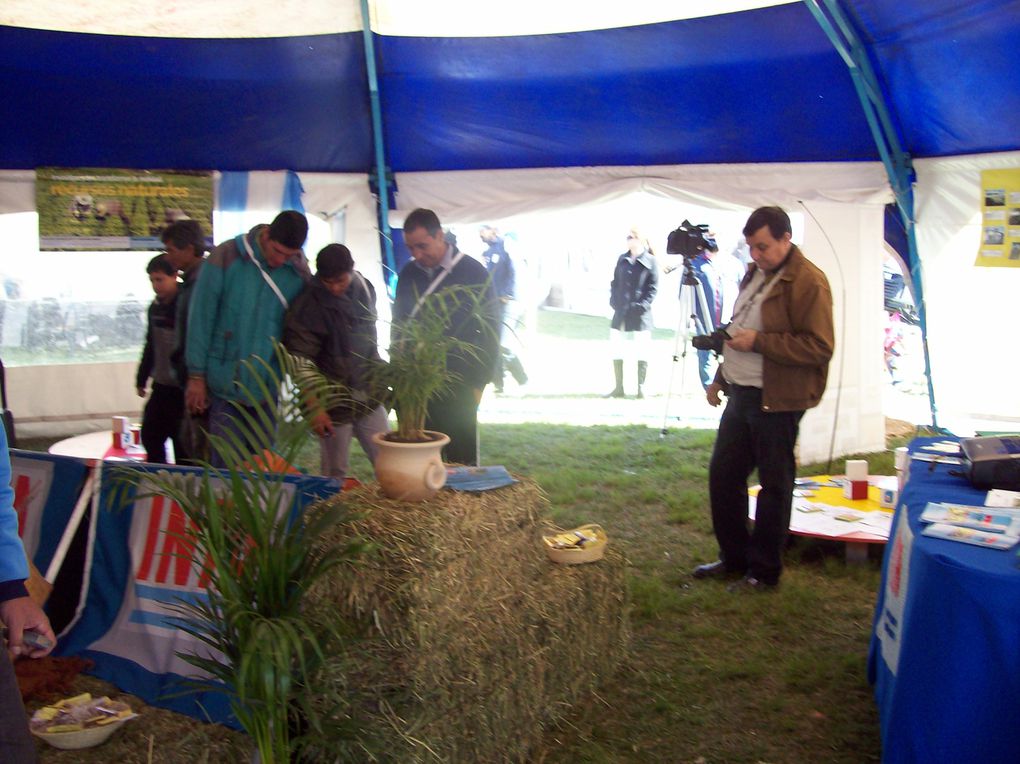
992, 462
12, 440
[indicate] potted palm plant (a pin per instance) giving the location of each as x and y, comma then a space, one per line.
409, 466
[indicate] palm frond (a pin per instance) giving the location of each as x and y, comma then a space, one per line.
257, 557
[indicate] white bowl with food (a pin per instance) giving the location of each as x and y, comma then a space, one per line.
80, 722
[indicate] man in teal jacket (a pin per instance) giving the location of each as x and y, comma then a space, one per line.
236, 315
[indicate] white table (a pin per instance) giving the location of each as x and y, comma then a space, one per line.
99, 445
95, 447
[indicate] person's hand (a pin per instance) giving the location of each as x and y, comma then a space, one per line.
712, 394
141, 392
322, 425
742, 340
478, 394
196, 395
21, 614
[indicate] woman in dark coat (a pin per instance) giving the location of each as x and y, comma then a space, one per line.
635, 282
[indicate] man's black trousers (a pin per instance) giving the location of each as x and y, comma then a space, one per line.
749, 437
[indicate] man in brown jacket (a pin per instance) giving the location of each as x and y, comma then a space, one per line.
774, 367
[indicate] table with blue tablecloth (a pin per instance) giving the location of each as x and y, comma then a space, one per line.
945, 650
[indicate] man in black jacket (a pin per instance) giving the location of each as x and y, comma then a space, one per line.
437, 266
185, 249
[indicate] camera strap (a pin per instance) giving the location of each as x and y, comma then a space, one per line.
744, 306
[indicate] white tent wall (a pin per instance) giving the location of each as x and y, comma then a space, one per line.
846, 205
845, 241
475, 196
974, 362
61, 399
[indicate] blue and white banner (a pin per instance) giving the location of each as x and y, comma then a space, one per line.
46, 488
139, 566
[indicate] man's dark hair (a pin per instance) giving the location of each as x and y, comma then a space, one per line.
289, 228
333, 260
774, 217
422, 218
161, 264
185, 233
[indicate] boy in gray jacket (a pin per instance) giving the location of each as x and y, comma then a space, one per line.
333, 324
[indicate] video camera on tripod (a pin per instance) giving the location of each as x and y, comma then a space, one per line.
690, 241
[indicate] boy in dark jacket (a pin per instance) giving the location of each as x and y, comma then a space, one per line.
332, 323
163, 412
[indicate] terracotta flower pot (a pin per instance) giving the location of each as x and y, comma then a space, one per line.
410, 471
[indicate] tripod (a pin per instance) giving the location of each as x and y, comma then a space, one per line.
692, 297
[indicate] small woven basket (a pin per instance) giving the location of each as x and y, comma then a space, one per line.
586, 543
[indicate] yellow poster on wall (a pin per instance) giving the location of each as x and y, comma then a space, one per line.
1000, 219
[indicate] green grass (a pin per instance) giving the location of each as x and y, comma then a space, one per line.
711, 677
576, 326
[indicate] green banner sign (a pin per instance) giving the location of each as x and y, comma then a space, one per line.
103, 209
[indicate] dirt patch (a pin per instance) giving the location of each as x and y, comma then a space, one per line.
898, 428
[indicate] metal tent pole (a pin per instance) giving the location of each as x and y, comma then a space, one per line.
381, 173
898, 166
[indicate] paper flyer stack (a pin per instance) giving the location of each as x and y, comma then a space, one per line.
994, 527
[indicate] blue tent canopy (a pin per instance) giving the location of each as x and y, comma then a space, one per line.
761, 85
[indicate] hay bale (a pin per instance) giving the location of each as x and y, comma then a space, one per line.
469, 641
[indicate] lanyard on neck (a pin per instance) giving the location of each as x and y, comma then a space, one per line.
745, 305
440, 277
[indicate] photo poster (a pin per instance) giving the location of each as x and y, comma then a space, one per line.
113, 209
1000, 219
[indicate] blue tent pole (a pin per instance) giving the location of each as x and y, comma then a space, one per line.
382, 181
898, 165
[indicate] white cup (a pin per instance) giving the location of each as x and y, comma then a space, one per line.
901, 457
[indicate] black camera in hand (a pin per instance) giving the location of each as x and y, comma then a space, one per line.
713, 340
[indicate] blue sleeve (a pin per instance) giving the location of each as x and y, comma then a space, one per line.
13, 565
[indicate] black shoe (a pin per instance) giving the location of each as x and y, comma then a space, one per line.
640, 394
752, 584
715, 569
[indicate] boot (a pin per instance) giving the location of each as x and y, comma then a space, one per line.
617, 392
516, 368
642, 372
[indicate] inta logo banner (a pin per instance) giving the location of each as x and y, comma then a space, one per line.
141, 566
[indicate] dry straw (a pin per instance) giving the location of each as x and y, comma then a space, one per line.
469, 640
